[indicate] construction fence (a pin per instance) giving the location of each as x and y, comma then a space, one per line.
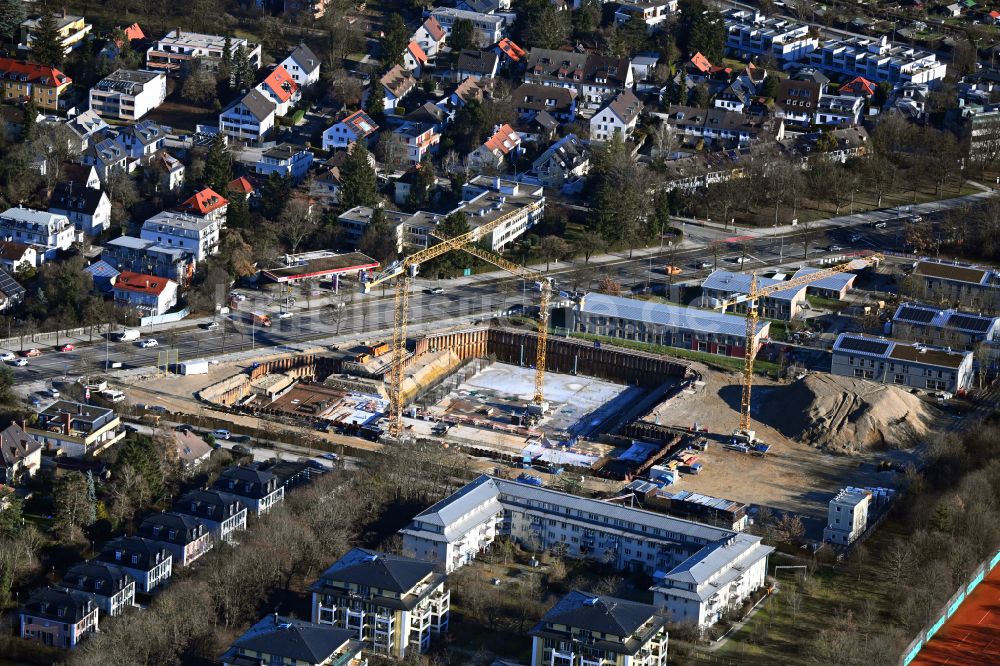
948, 609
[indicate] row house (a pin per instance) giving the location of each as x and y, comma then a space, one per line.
49, 232
149, 295
128, 253
75, 429
174, 52
186, 538
112, 588
487, 28
147, 561
128, 94
878, 61
596, 78
955, 284
839, 110
248, 119
453, 530
944, 327
198, 236
664, 324
58, 617
87, 208
22, 80
393, 604
913, 365
727, 128
255, 487
222, 513
721, 285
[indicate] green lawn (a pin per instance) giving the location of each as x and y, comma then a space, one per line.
818, 302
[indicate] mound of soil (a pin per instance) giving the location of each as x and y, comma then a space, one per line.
844, 415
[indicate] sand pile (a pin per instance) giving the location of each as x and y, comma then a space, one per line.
844, 415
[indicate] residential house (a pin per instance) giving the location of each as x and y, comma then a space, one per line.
736, 97
249, 118
76, 429
397, 83
20, 455
174, 53
950, 328
414, 59
128, 253
281, 89
839, 110
107, 157
430, 36
596, 78
192, 449
664, 324
453, 531
466, 91
302, 65
797, 101
254, 486
619, 117
147, 561
207, 204
48, 232
784, 305
486, 28
955, 283
587, 628
531, 98
43, 84
111, 587
11, 291
168, 172
82, 174
199, 236
325, 189
420, 139
539, 128
58, 617
149, 295
643, 69
241, 187
84, 126
430, 113
484, 6
832, 287
113, 47
127, 94
847, 516
15, 257
88, 209
859, 86
354, 127
72, 30
565, 162
509, 52
902, 363
222, 513
104, 275
495, 150
142, 139
654, 13
725, 128
478, 65
186, 538
285, 159
283, 640
394, 604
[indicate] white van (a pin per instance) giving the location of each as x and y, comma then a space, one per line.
127, 335
112, 395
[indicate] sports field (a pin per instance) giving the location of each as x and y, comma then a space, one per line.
971, 637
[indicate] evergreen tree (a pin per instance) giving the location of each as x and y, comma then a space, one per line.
226, 66
238, 213
29, 121
451, 263
462, 35
397, 36
218, 165
379, 239
47, 47
375, 104
274, 195
423, 184
91, 498
12, 13
243, 71
358, 185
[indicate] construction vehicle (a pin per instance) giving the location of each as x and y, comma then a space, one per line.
744, 438
402, 273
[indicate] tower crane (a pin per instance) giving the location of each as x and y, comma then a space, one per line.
402, 273
752, 299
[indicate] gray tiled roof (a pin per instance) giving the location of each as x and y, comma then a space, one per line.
385, 571
297, 640
580, 610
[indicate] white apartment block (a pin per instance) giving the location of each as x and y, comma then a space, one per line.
197, 235
847, 516
175, 51
487, 28
128, 94
709, 569
877, 60
749, 33
51, 231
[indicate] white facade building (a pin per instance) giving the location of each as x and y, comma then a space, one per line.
128, 94
197, 235
303, 65
175, 51
902, 363
487, 28
249, 118
847, 516
285, 160
749, 33
619, 116
52, 231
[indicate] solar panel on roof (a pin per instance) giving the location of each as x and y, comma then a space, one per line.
970, 323
864, 346
10, 286
917, 314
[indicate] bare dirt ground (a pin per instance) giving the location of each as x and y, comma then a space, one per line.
793, 476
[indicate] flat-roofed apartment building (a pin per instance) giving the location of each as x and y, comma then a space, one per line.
71, 29
902, 363
75, 428
709, 569
175, 51
663, 324
847, 516
944, 327
128, 94
592, 630
958, 284
749, 33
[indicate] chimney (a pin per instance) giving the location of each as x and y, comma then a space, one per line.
68, 418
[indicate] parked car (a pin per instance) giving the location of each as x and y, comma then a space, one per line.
245, 450
221, 433
183, 427
836, 248
53, 392
32, 352
7, 357
149, 342
21, 362
705, 264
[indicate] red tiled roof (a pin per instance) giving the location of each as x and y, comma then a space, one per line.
510, 49
39, 74
281, 83
417, 52
204, 202
994, 14
434, 28
504, 139
701, 63
859, 86
141, 283
361, 124
240, 185
134, 32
